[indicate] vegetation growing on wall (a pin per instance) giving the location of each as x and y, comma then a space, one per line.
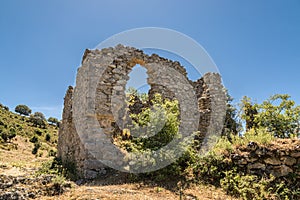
266, 123
277, 117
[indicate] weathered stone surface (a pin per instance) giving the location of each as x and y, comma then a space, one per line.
273, 161
295, 154
27, 187
251, 159
260, 151
289, 161
113, 65
281, 170
256, 166
265, 159
252, 146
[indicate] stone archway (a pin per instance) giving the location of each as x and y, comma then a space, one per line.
109, 68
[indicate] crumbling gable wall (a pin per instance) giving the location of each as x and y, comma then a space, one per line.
114, 65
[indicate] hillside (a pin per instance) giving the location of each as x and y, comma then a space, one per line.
239, 166
24, 175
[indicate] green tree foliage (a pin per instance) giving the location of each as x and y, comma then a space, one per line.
142, 96
23, 110
277, 115
6, 108
36, 147
156, 125
159, 121
38, 119
6, 135
53, 121
34, 139
231, 124
249, 111
48, 137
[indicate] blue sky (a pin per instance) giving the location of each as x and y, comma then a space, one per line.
255, 44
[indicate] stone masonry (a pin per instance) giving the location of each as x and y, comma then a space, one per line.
279, 158
100, 90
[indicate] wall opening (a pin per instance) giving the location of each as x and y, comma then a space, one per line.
138, 79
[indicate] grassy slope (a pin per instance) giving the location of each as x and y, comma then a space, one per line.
16, 159
17, 152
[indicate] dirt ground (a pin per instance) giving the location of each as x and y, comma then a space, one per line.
18, 166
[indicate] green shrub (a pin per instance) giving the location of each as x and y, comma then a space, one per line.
278, 115
7, 135
48, 137
260, 136
210, 168
23, 110
38, 132
53, 121
38, 119
34, 139
224, 145
56, 167
12, 133
5, 108
246, 186
36, 147
2, 123
156, 126
4, 136
20, 128
51, 153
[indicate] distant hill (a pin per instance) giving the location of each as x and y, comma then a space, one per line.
14, 128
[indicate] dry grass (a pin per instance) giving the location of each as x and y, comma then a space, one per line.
21, 162
138, 192
17, 160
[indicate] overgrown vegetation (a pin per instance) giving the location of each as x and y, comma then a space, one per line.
155, 126
156, 123
278, 115
264, 124
23, 110
34, 128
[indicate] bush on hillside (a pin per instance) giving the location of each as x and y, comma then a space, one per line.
23, 110
278, 115
38, 119
53, 121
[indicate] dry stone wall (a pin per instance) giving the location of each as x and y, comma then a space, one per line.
113, 65
279, 158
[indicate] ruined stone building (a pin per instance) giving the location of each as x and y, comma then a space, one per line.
98, 100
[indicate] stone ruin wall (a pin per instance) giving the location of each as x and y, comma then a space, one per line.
115, 64
279, 158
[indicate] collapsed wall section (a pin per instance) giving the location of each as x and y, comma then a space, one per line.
113, 65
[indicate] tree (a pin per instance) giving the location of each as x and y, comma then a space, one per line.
53, 121
156, 126
231, 124
23, 110
38, 119
249, 111
278, 115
